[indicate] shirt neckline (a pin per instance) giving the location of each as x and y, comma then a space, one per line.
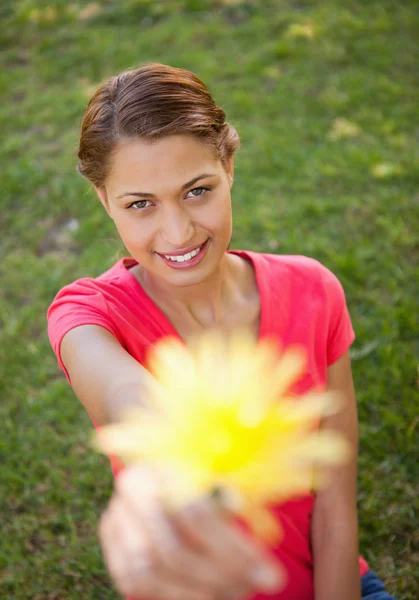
259, 267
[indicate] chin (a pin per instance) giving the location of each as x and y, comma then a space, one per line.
186, 279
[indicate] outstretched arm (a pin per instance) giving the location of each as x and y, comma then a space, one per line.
148, 549
106, 379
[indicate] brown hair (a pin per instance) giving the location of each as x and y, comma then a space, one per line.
150, 102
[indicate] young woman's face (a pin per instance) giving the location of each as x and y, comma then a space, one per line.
172, 199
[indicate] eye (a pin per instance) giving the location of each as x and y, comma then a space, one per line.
199, 191
139, 204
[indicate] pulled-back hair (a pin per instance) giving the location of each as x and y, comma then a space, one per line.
150, 102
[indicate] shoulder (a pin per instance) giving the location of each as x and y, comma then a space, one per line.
91, 289
315, 297
87, 301
299, 269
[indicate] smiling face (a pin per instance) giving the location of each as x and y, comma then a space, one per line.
171, 198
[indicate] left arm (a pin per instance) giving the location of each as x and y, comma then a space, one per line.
334, 522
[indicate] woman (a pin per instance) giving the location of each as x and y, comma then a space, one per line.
161, 158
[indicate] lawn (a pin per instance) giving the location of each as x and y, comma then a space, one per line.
325, 97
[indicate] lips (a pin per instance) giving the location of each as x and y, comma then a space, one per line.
186, 264
182, 252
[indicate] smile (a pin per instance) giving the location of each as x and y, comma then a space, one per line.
185, 261
184, 257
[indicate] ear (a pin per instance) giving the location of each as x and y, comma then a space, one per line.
103, 197
230, 170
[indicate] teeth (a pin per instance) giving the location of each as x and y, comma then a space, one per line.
184, 257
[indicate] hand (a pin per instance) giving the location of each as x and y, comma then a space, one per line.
195, 554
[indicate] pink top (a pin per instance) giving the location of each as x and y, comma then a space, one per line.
302, 302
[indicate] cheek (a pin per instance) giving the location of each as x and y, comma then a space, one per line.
217, 215
132, 231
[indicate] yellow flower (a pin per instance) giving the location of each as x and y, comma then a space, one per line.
220, 418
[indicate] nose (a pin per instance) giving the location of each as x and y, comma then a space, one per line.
177, 228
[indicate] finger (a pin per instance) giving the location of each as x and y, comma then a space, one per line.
163, 587
128, 561
112, 543
135, 482
130, 564
170, 552
235, 552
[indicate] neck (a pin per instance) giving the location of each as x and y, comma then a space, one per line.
204, 304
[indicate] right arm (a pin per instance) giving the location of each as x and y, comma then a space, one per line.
147, 550
105, 378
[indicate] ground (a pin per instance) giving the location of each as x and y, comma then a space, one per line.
324, 96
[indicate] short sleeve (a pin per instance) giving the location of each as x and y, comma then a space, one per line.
80, 303
340, 333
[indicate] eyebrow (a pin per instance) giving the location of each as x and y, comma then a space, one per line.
184, 187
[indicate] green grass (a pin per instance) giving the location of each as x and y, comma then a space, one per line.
299, 188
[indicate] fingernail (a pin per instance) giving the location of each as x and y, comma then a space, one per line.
265, 577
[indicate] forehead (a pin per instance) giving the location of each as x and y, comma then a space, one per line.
172, 160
